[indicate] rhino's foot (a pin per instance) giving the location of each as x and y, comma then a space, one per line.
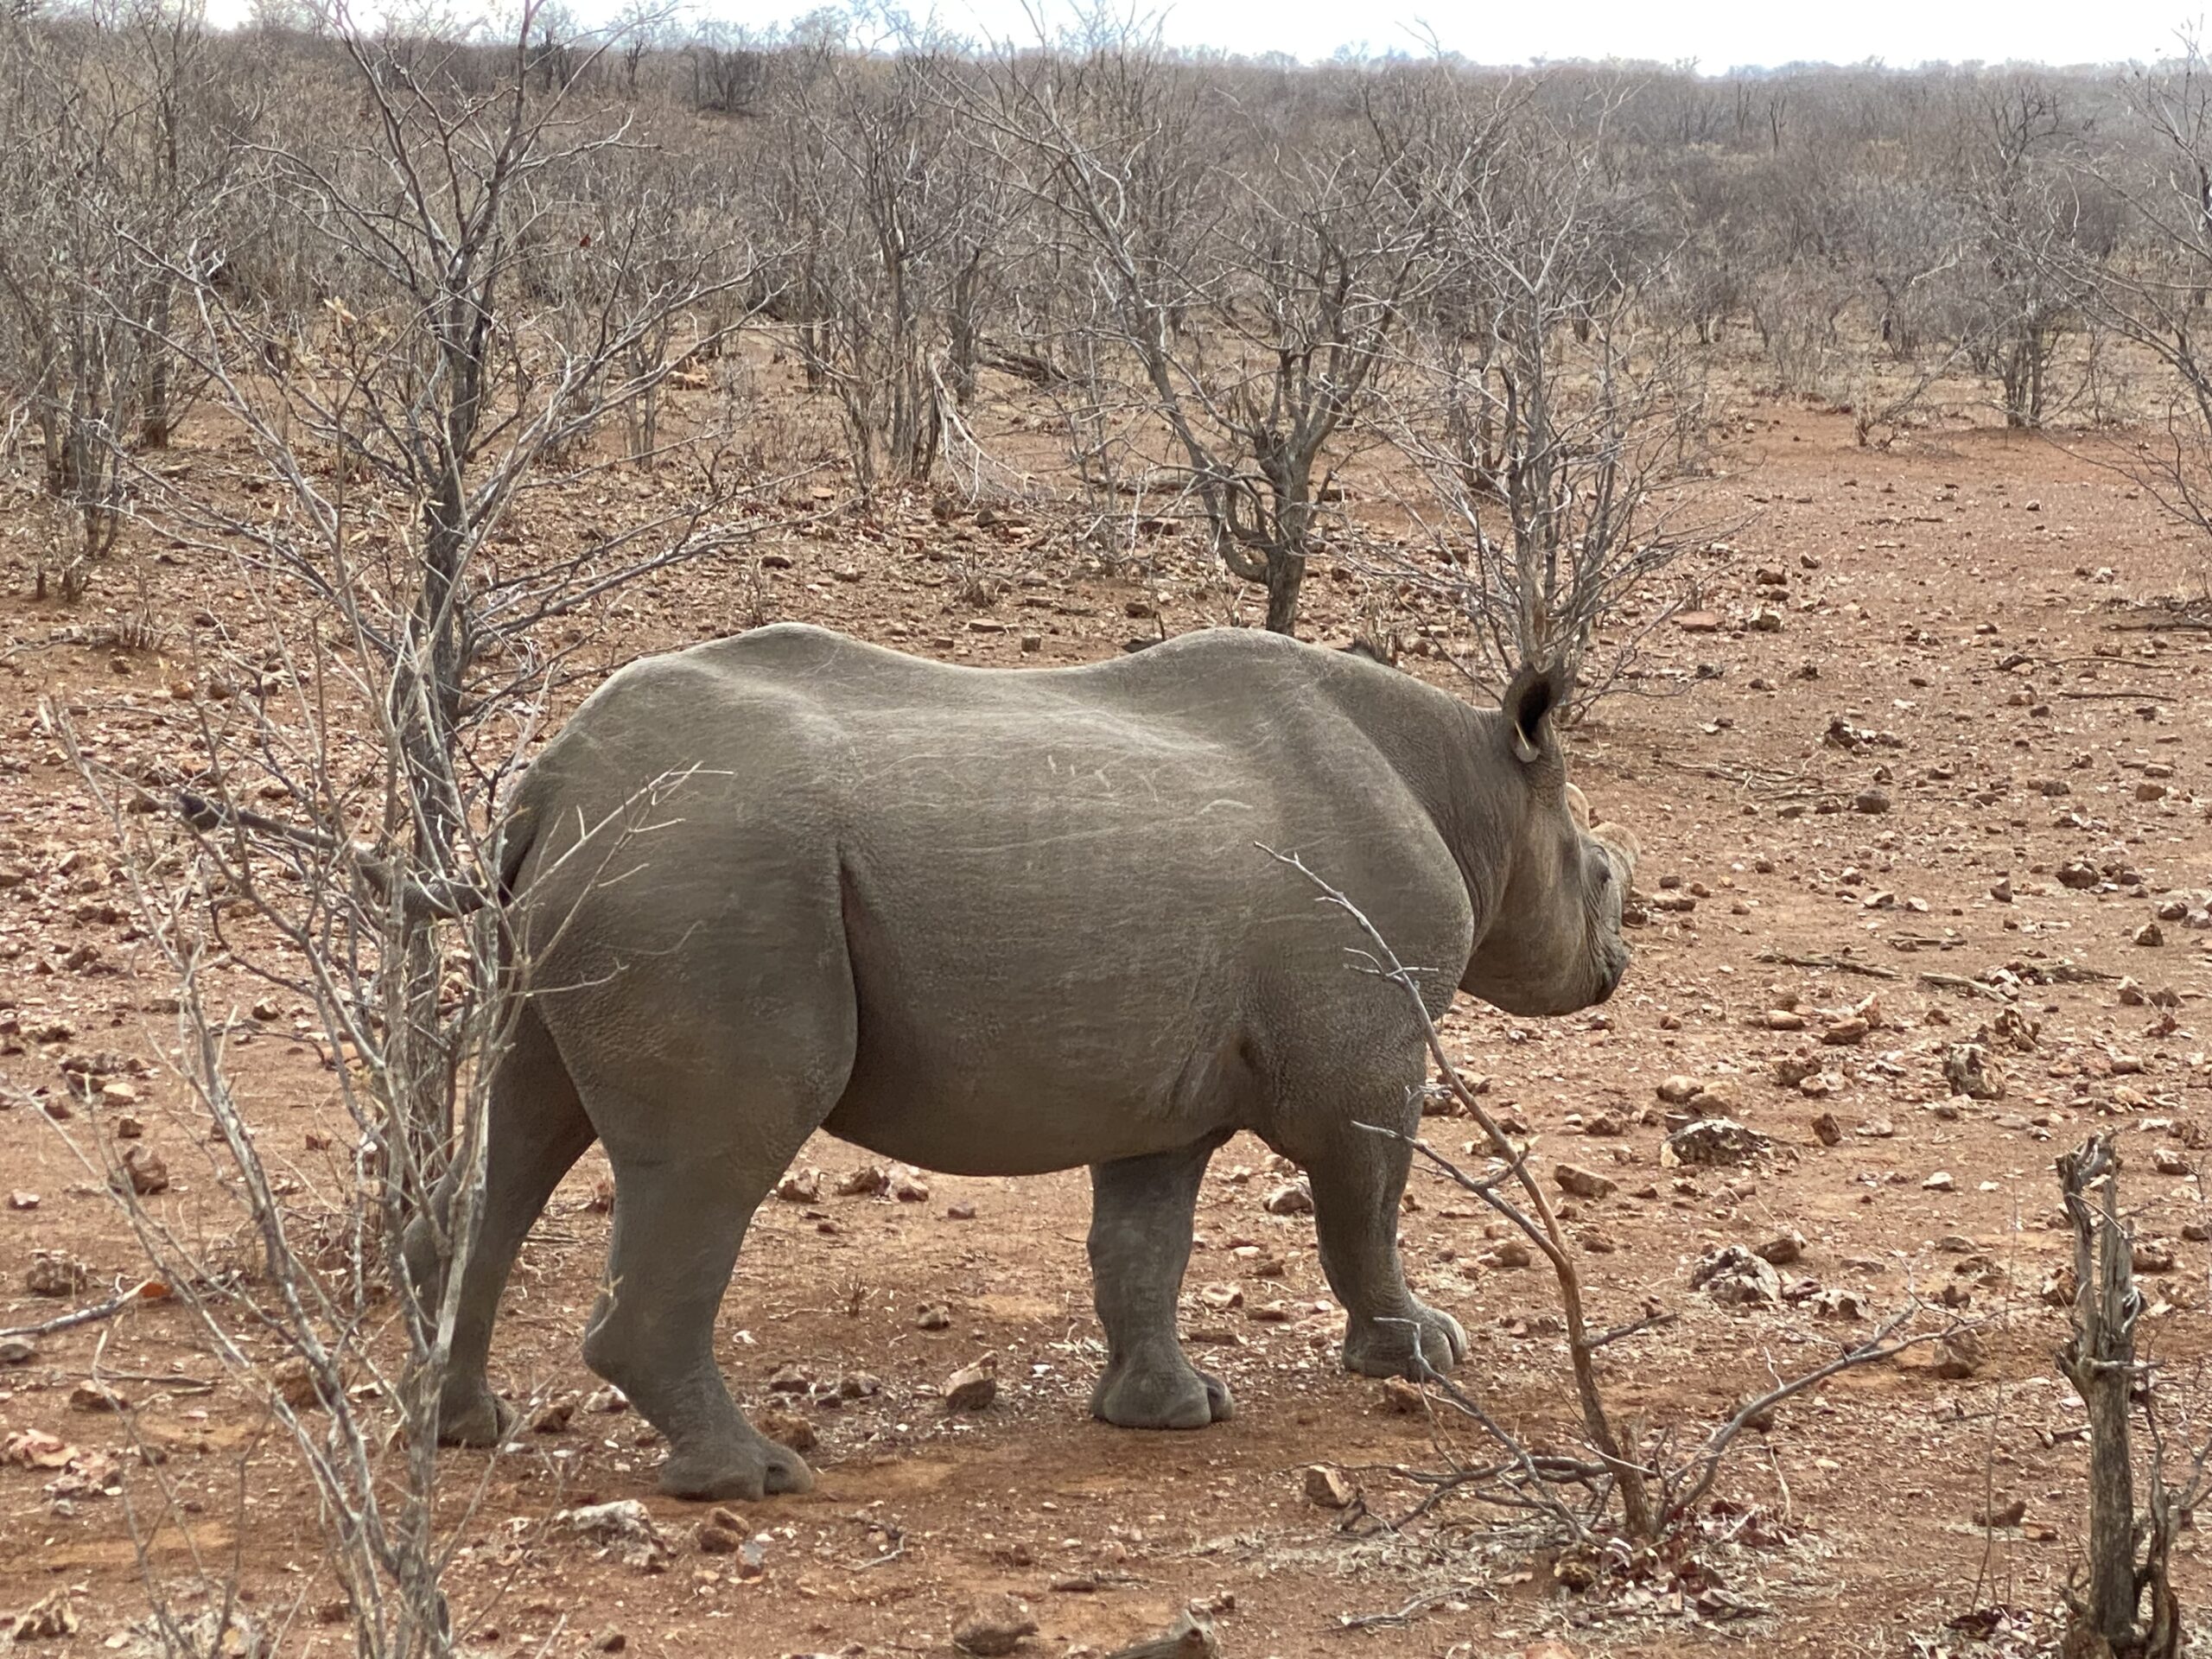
474, 1417
750, 1469
1385, 1347
1153, 1392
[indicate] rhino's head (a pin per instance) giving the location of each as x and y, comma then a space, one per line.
1554, 943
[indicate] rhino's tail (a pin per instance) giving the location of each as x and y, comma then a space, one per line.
520, 834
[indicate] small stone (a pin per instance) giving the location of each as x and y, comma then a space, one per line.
868, 1181
1781, 1250
293, 1381
909, 1188
1940, 1181
1847, 1032
933, 1316
55, 1273
1958, 1356
2150, 934
18, 1351
1581, 1183
1711, 1141
610, 1641
1677, 1090
787, 1428
96, 1397
1970, 1069
2007, 1514
1291, 1198
1877, 1128
146, 1171
800, 1186
994, 1630
2130, 994
1508, 1253
1328, 1488
2153, 1255
1827, 1130
22, 1199
1872, 802
722, 1533
2002, 892
972, 1387
553, 1417
2169, 1160
960, 1212
1402, 1397
1734, 1277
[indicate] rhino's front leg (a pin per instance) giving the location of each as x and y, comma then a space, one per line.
1140, 1213
1357, 1186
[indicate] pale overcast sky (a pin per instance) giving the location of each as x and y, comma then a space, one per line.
1718, 34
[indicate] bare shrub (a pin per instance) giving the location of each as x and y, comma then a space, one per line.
1547, 414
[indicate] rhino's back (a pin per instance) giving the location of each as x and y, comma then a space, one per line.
1045, 880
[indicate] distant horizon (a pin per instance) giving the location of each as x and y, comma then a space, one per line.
1715, 41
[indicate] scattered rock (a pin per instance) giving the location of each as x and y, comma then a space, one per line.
98, 1396
1711, 1141
1291, 1198
1329, 1488
972, 1387
994, 1630
2005, 1515
1735, 1277
553, 1417
868, 1181
1958, 1356
1971, 1070
800, 1186
787, 1428
45, 1621
1827, 1130
1872, 802
933, 1316
143, 1168
1582, 1183
1781, 1250
721, 1532
909, 1188
1678, 1090
2150, 933
18, 1351
625, 1526
55, 1273
2153, 1255
1940, 1181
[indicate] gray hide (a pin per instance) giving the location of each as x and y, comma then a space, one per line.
995, 923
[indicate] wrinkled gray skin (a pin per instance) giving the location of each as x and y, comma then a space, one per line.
995, 923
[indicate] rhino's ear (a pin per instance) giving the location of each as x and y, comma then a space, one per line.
1530, 701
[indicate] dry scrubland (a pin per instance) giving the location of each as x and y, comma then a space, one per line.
1911, 714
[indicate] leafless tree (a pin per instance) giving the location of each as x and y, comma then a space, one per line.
1547, 418
1239, 309
357, 716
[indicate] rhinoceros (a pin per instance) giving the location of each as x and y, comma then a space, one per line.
997, 922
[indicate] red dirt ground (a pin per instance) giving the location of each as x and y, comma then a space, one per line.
1912, 578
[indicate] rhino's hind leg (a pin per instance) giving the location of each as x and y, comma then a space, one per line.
537, 1132
1357, 1182
679, 1217
1140, 1215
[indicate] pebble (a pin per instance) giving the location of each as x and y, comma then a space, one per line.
1329, 1488
972, 1387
